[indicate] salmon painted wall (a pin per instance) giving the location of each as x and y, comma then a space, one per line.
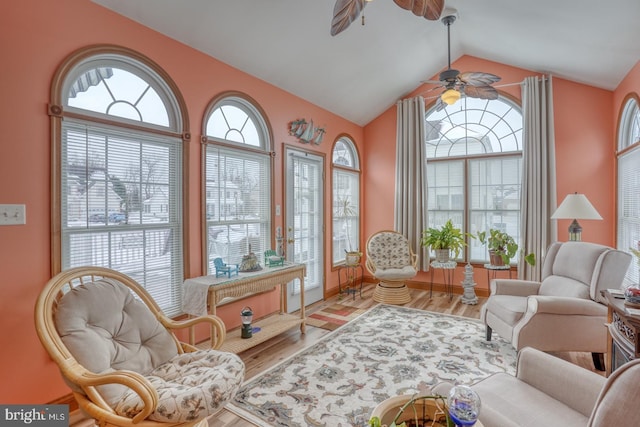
583, 124
35, 38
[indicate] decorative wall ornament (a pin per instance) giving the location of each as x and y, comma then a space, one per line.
306, 132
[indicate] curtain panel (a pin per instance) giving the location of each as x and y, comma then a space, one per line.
410, 214
538, 199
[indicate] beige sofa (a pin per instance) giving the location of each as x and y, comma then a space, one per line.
548, 391
565, 311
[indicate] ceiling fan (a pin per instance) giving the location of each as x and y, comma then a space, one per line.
473, 84
346, 11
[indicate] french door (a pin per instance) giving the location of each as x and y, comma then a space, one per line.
304, 223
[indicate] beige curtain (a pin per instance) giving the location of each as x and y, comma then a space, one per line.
410, 215
538, 199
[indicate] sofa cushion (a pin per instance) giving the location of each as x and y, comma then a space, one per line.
190, 386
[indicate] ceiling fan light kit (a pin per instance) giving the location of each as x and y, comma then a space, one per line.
450, 96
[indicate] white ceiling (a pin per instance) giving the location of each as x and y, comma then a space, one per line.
364, 70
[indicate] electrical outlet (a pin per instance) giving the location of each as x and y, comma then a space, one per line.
13, 214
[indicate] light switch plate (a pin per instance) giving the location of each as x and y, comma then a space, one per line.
13, 214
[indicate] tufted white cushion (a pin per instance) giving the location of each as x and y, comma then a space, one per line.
106, 328
190, 386
389, 250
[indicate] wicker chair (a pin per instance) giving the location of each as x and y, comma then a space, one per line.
391, 260
118, 353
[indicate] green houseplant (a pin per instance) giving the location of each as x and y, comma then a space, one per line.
502, 247
444, 240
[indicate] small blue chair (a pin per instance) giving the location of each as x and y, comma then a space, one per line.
222, 268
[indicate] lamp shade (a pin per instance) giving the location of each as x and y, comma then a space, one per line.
450, 96
576, 206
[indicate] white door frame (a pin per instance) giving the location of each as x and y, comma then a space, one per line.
304, 222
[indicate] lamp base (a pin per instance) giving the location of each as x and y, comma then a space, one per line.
575, 231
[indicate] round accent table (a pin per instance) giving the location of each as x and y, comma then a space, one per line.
494, 269
447, 275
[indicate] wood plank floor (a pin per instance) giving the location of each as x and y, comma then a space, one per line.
262, 357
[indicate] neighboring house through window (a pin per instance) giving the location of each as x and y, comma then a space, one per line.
629, 184
118, 170
474, 168
237, 181
346, 199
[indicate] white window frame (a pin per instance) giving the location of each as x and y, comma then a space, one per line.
149, 249
229, 232
628, 188
466, 136
345, 175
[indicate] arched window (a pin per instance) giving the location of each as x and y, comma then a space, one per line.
346, 199
118, 170
629, 183
237, 180
474, 164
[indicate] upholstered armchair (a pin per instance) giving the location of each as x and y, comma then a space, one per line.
563, 312
548, 391
119, 355
391, 261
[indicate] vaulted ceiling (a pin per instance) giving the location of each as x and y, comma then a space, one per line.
362, 71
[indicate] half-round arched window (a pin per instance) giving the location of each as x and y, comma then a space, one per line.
237, 180
346, 199
474, 164
628, 211
117, 169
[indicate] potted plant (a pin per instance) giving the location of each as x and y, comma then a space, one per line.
414, 410
344, 210
444, 240
502, 247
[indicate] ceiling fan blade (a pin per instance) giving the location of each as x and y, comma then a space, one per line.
430, 9
475, 78
344, 13
433, 82
482, 92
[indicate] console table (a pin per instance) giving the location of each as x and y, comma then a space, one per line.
624, 334
220, 291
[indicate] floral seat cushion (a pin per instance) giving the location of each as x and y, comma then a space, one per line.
190, 386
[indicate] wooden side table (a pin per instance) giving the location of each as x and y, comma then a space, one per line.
624, 334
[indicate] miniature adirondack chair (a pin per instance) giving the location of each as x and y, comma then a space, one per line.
222, 268
271, 258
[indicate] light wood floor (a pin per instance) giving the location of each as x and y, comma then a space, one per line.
262, 357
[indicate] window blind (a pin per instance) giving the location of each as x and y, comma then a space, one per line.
121, 206
238, 204
629, 209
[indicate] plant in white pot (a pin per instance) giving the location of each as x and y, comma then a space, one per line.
344, 210
444, 241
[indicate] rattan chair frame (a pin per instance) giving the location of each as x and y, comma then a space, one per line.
89, 400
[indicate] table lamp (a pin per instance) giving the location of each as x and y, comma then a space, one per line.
575, 206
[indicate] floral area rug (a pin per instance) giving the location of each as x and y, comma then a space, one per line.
331, 318
387, 351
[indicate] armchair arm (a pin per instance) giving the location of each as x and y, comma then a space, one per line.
565, 306
566, 382
515, 287
217, 332
87, 380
